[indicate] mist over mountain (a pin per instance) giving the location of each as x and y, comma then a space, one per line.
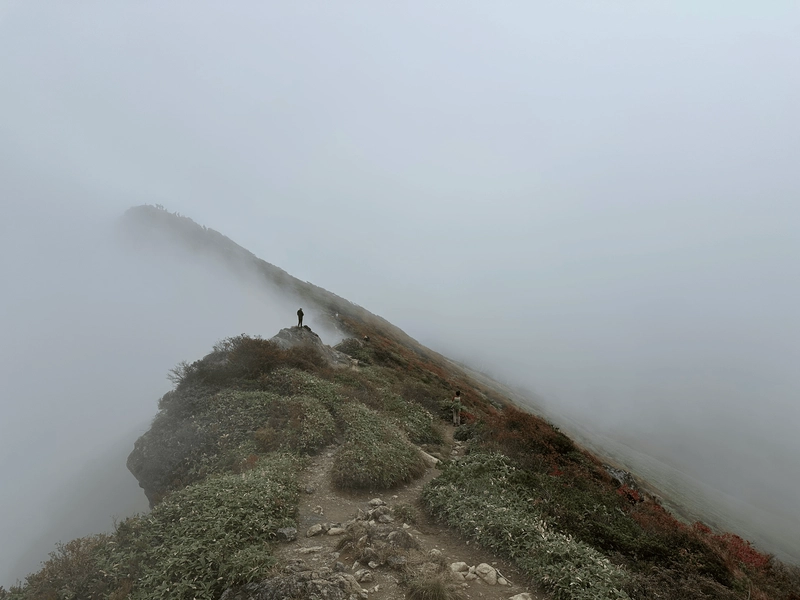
167, 274
596, 204
86, 309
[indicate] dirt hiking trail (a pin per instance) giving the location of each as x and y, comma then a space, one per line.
384, 538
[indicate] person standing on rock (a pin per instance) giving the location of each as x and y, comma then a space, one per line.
300, 317
457, 406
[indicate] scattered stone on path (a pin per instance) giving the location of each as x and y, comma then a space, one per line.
287, 534
336, 531
309, 549
368, 554
363, 576
314, 530
376, 502
402, 539
397, 561
522, 596
430, 461
487, 573
459, 567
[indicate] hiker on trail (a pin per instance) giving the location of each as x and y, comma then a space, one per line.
457, 406
300, 317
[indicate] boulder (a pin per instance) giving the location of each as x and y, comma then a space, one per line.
459, 567
487, 573
294, 337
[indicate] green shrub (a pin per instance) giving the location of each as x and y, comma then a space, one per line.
375, 455
483, 498
243, 358
289, 382
418, 423
71, 573
405, 513
303, 424
209, 535
193, 545
356, 349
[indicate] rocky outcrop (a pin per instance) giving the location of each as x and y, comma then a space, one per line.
164, 454
298, 337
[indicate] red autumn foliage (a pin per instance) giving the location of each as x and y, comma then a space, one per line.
522, 434
653, 517
630, 494
737, 551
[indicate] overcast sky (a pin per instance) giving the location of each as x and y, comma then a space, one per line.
599, 201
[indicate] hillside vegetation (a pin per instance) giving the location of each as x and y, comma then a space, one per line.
221, 460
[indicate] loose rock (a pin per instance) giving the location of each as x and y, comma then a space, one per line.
287, 534
363, 576
397, 561
314, 530
487, 573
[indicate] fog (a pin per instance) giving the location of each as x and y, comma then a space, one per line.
598, 203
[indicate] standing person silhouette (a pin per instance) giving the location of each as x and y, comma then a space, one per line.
457, 407
300, 317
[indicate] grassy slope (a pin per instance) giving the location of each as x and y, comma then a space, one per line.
252, 411
247, 408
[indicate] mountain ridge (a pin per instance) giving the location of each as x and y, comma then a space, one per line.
242, 421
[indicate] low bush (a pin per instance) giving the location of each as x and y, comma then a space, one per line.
405, 513
71, 573
356, 349
484, 496
525, 436
302, 423
375, 455
193, 545
429, 396
416, 421
243, 358
210, 535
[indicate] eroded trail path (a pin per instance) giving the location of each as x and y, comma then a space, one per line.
382, 539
